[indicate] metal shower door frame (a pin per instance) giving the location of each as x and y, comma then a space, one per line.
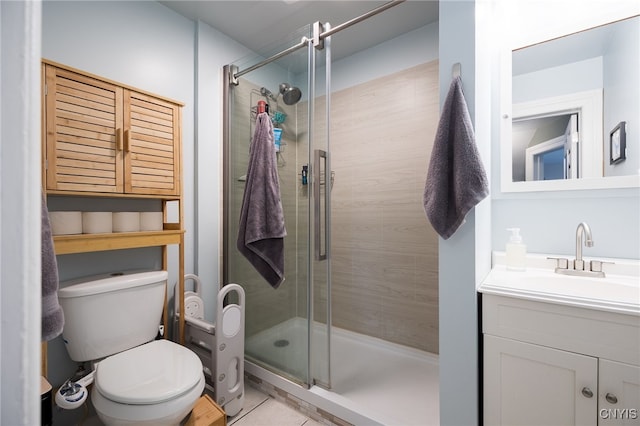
320, 219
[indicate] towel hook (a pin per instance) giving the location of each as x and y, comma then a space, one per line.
456, 70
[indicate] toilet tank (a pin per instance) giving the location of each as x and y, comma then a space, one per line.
107, 314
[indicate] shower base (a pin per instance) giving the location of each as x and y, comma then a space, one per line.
373, 381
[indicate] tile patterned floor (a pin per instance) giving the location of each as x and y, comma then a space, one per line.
262, 410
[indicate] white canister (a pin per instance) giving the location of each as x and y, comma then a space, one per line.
65, 223
126, 222
151, 221
97, 222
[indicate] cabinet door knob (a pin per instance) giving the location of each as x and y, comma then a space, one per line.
587, 393
611, 398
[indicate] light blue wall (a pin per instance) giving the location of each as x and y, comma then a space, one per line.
213, 51
622, 85
548, 221
465, 257
20, 187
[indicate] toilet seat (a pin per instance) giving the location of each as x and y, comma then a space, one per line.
152, 373
169, 413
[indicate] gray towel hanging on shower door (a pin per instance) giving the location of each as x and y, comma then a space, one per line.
262, 230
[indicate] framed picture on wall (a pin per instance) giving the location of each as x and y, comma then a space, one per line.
617, 144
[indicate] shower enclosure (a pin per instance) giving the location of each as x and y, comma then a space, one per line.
287, 329
355, 321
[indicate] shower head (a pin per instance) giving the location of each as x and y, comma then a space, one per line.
290, 95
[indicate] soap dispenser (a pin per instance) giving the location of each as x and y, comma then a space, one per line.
516, 251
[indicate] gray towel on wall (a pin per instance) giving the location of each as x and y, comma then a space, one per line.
52, 315
456, 179
262, 231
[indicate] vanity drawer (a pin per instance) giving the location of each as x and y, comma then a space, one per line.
598, 333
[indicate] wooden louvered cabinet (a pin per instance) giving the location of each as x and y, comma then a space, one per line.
151, 145
105, 138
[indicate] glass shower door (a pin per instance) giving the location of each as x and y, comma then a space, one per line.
280, 334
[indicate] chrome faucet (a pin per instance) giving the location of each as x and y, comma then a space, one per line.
579, 266
583, 228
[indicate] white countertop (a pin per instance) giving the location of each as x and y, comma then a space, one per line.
618, 291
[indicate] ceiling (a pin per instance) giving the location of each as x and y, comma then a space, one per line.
263, 23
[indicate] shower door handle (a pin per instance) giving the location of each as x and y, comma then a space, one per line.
320, 223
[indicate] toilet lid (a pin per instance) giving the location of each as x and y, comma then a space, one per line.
148, 374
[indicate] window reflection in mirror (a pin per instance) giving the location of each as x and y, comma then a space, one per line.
591, 78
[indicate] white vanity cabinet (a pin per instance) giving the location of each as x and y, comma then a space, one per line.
535, 385
619, 387
554, 364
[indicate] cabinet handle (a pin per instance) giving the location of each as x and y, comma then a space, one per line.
587, 393
127, 140
611, 398
119, 139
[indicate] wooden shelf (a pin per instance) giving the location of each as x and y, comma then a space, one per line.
81, 194
82, 243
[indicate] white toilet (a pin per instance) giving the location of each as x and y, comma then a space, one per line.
114, 320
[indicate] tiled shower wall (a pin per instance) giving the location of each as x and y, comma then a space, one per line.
384, 251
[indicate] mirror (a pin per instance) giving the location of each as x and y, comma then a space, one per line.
570, 98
